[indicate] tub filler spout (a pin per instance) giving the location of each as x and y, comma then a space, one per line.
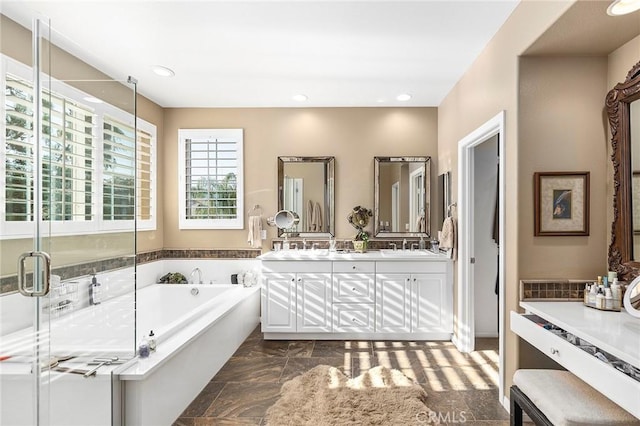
199, 276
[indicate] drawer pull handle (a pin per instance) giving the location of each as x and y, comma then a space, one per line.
354, 290
353, 267
354, 320
554, 351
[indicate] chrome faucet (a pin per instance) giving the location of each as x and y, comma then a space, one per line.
304, 244
199, 276
394, 246
414, 246
404, 244
315, 246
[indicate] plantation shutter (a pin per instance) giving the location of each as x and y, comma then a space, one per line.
67, 175
118, 183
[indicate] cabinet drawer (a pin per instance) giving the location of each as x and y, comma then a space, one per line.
354, 288
295, 266
412, 267
620, 388
354, 267
355, 317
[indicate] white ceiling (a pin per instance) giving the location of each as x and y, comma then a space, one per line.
260, 53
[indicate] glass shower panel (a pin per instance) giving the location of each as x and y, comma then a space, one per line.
69, 189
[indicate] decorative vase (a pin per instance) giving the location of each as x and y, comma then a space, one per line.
360, 246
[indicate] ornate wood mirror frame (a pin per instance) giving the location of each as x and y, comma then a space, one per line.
618, 104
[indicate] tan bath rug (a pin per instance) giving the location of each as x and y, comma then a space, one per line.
324, 396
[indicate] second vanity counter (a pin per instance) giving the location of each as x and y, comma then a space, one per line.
387, 294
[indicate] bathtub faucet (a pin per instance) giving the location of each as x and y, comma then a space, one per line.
199, 276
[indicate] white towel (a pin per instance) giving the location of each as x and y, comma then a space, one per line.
448, 237
309, 223
255, 231
317, 217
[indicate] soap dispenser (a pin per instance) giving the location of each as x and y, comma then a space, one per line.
422, 244
95, 296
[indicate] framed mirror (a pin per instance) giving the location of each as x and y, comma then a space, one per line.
623, 109
306, 187
402, 196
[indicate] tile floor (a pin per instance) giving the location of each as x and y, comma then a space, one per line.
458, 385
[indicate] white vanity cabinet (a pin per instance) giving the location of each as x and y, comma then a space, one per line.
296, 296
413, 297
356, 296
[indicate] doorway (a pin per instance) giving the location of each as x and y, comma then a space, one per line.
468, 150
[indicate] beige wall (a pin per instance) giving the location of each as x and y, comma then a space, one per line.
561, 128
16, 43
489, 86
352, 135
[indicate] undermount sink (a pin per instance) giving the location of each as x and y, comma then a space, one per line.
406, 253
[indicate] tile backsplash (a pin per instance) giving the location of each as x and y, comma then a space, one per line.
553, 289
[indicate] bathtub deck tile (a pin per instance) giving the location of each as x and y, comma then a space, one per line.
244, 400
251, 369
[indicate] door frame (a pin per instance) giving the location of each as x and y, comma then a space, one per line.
465, 330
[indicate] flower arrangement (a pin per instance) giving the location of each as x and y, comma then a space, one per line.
359, 219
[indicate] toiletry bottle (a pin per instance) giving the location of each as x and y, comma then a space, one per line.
152, 341
599, 280
616, 294
592, 294
586, 294
143, 348
608, 299
421, 244
94, 292
600, 300
605, 282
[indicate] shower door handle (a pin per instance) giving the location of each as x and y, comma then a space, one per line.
22, 275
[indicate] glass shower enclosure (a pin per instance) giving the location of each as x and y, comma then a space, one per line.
68, 167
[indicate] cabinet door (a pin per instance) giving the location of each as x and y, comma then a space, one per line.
314, 303
393, 303
279, 302
431, 307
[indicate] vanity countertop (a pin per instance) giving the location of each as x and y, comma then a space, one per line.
617, 333
373, 255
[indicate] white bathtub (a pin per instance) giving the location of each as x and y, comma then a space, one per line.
195, 333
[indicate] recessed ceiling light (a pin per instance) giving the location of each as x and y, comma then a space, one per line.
403, 97
299, 98
622, 7
92, 100
380, 101
163, 71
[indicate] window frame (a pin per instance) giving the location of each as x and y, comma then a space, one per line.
221, 224
97, 225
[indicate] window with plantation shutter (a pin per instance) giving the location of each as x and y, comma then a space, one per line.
91, 157
210, 178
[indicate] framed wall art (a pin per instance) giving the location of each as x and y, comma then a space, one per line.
561, 203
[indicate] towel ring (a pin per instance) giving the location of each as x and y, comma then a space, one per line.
255, 209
